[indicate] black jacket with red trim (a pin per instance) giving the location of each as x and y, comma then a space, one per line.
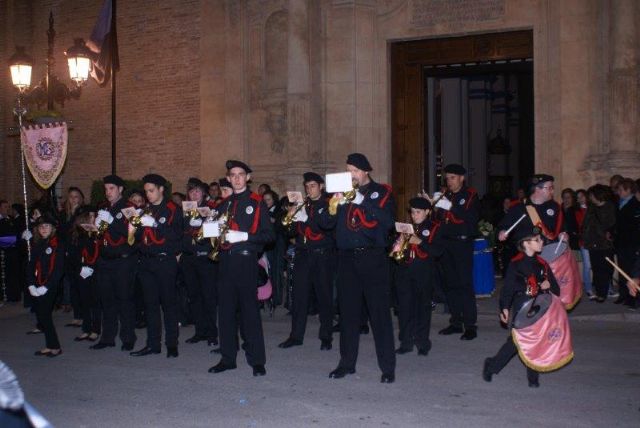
462, 219
368, 224
189, 233
318, 231
429, 249
46, 267
521, 273
83, 252
249, 214
166, 237
551, 216
114, 240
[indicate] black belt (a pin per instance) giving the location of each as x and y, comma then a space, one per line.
115, 256
197, 254
362, 250
241, 252
314, 250
153, 255
459, 238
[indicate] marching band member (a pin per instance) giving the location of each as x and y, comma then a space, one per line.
115, 269
199, 272
44, 273
362, 232
527, 275
248, 230
159, 237
314, 263
414, 278
459, 224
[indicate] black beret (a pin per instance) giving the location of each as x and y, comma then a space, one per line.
521, 233
419, 203
454, 168
223, 182
194, 182
360, 161
312, 176
540, 179
156, 179
113, 179
46, 218
238, 164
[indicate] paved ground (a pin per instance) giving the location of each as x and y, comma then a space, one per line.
84, 388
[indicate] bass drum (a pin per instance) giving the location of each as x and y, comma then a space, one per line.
551, 251
532, 310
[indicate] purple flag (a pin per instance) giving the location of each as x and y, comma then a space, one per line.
104, 43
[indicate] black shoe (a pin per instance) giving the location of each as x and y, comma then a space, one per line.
221, 367
195, 339
127, 347
619, 300
534, 383
336, 328
387, 378
101, 345
172, 352
325, 345
341, 372
600, 299
54, 354
212, 341
469, 334
215, 351
42, 353
259, 370
486, 373
423, 351
144, 352
289, 343
141, 324
364, 329
81, 338
452, 329
404, 350
34, 331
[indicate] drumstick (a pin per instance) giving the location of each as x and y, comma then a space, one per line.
559, 243
623, 273
515, 224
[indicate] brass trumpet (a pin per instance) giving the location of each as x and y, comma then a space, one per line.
400, 247
102, 228
346, 197
225, 224
288, 219
136, 222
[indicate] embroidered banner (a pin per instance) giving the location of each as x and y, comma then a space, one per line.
45, 150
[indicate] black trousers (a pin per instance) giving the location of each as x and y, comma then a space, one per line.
457, 264
199, 275
365, 274
602, 271
158, 278
44, 314
313, 271
238, 300
90, 310
414, 285
76, 299
115, 289
626, 259
504, 355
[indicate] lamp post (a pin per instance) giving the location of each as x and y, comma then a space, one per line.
21, 66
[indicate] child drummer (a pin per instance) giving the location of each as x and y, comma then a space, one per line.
414, 278
527, 275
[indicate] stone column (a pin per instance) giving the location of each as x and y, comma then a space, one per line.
623, 155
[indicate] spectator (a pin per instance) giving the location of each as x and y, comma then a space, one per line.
264, 188
177, 198
137, 198
599, 222
627, 236
569, 210
214, 191
580, 211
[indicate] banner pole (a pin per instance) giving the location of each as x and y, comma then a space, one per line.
19, 111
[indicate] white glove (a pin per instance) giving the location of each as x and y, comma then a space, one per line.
358, 199
86, 272
33, 291
195, 222
104, 215
147, 221
301, 215
26, 235
444, 203
234, 236
41, 291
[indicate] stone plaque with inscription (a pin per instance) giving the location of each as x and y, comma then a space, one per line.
428, 13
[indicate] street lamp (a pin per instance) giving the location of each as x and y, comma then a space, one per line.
79, 59
21, 65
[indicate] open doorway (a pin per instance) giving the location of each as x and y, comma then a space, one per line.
466, 100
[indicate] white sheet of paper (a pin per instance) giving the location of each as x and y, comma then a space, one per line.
129, 212
295, 197
189, 205
205, 211
89, 227
210, 229
444, 203
404, 228
338, 182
